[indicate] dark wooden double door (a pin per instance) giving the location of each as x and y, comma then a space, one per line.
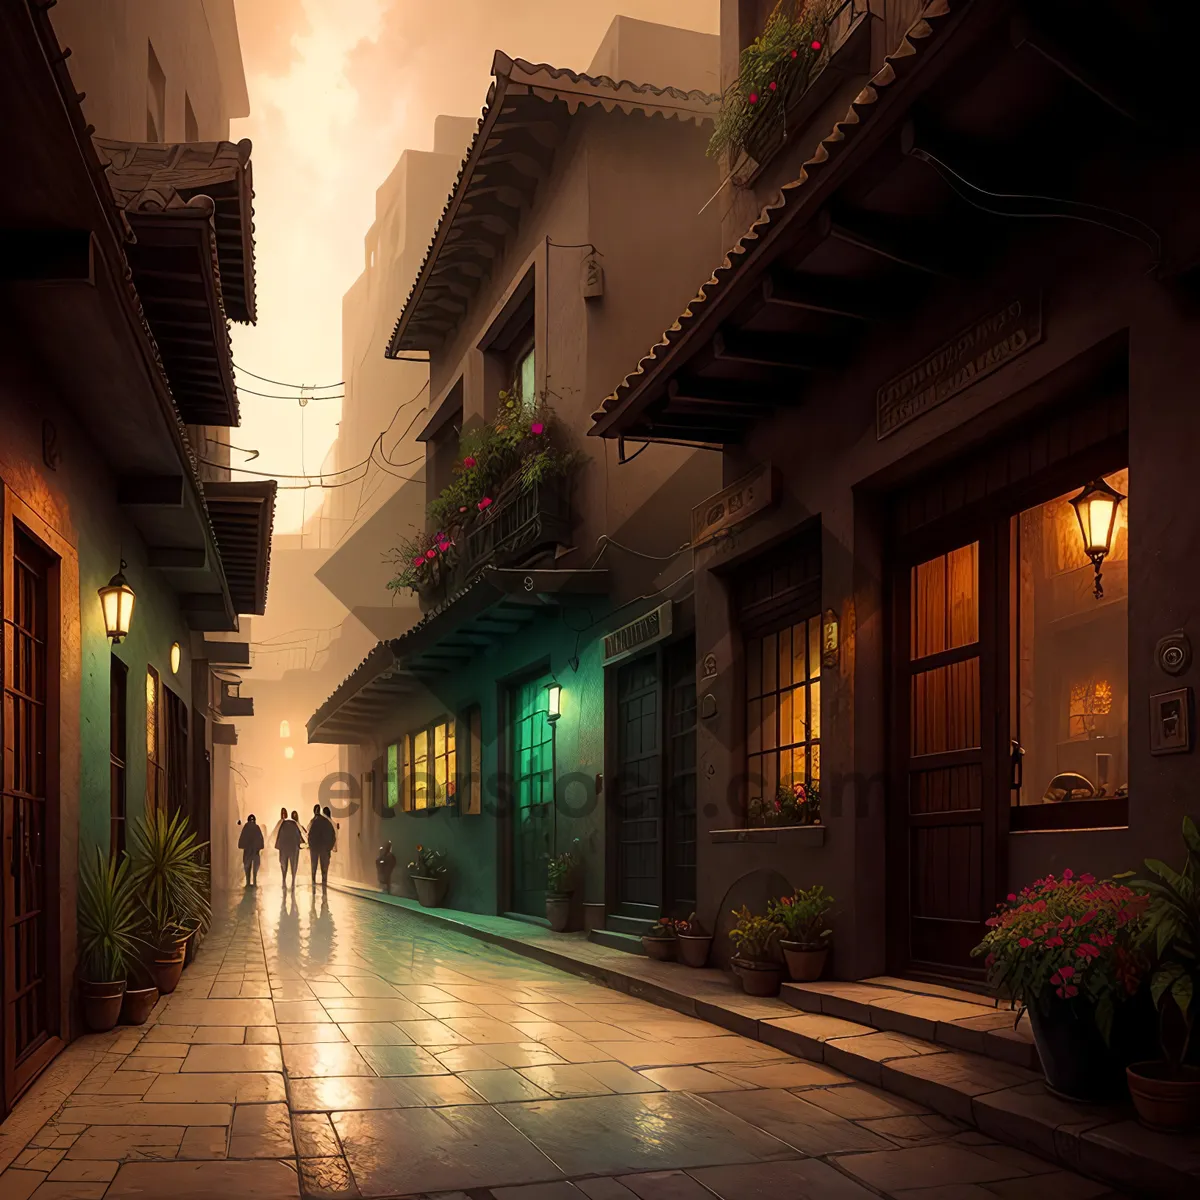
28, 783
652, 813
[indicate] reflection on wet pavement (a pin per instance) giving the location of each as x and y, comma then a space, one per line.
325, 1046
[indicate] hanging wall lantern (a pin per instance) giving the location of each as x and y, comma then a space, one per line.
175, 656
830, 640
1096, 509
553, 702
285, 730
116, 601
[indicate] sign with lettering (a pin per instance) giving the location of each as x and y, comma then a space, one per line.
976, 352
639, 634
750, 495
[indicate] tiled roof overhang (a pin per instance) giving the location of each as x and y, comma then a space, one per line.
243, 515
498, 604
524, 120
189, 209
109, 373
1018, 103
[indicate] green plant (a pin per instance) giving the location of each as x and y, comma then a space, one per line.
427, 863
755, 936
666, 928
561, 868
692, 927
108, 919
1170, 933
793, 804
521, 445
803, 915
170, 876
1066, 938
776, 66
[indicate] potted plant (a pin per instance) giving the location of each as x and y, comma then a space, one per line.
693, 942
1166, 1092
171, 882
141, 994
560, 877
755, 964
805, 943
1064, 950
428, 873
108, 941
660, 941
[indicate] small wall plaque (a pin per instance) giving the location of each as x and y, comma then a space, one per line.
750, 495
593, 278
1171, 722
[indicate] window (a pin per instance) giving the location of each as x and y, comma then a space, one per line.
156, 97
156, 787
191, 129
525, 379
431, 768
118, 680
783, 712
174, 721
1069, 697
392, 792
470, 788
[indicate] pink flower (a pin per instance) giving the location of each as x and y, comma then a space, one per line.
1068, 874
1054, 941
753, 97
443, 546
468, 461
816, 45
418, 560
431, 553
1087, 950
486, 502
1065, 993
537, 429
1025, 943
1087, 879
1011, 897
772, 85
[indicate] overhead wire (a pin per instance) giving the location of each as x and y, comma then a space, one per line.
317, 387
281, 396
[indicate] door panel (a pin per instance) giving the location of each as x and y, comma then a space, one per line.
639, 810
27, 1009
532, 759
944, 842
681, 778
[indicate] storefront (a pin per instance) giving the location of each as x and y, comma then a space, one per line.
950, 395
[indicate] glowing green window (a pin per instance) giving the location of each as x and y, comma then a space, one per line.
393, 775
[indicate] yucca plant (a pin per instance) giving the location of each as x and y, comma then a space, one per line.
108, 918
169, 876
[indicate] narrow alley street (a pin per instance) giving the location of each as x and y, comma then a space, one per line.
379, 1056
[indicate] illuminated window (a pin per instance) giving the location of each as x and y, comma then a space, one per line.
156, 787
431, 775
393, 775
471, 789
526, 380
1070, 668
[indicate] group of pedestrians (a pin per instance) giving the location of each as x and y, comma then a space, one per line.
320, 837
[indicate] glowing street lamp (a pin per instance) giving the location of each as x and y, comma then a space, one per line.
116, 601
553, 702
1096, 509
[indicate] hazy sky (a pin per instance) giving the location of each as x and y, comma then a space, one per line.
338, 89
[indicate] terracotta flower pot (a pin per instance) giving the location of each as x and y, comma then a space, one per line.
758, 978
136, 1005
558, 911
1171, 1105
693, 949
166, 968
431, 890
101, 1003
805, 962
662, 949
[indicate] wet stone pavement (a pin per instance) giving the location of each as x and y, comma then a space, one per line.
328, 1046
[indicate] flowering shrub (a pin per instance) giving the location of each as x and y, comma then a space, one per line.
1066, 938
802, 915
691, 927
667, 927
754, 936
561, 868
427, 863
792, 804
519, 444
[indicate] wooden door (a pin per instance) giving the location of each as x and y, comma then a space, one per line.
944, 844
681, 778
29, 906
532, 757
638, 807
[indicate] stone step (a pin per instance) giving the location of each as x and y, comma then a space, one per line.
621, 924
944, 1016
631, 943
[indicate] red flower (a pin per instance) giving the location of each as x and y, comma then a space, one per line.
1024, 943
1054, 941
418, 560
1068, 874
1087, 879
816, 45
484, 503
431, 553
537, 429
771, 85
1011, 897
1087, 950
469, 461
753, 97
794, 53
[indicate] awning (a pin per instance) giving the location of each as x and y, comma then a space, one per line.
189, 207
497, 605
243, 515
526, 117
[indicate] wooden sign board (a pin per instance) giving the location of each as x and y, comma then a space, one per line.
981, 348
653, 627
750, 495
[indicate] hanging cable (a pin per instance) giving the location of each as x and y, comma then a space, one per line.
280, 396
316, 387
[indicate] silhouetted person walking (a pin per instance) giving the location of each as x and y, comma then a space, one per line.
321, 836
287, 841
250, 843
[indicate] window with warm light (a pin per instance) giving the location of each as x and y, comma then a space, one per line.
431, 779
1069, 703
392, 793
156, 782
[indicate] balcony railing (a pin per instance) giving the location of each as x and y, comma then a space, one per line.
523, 523
233, 704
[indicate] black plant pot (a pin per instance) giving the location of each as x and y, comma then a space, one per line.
1075, 1060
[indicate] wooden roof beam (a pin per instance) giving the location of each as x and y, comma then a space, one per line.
884, 241
810, 293
781, 352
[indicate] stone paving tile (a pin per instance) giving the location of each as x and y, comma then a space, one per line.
699, 1080
781, 1075
204, 1142
860, 1102
396, 1060
242, 1087
149, 1114
948, 1082
327, 1179
183, 1011
127, 1141
325, 1058
927, 1166
204, 1180
261, 1131
82, 1171
665, 1185
502, 1086
314, 1136
210, 1059
913, 1131
307, 1034
807, 1128
808, 1179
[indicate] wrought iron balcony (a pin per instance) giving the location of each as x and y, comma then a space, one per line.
233, 703
522, 523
